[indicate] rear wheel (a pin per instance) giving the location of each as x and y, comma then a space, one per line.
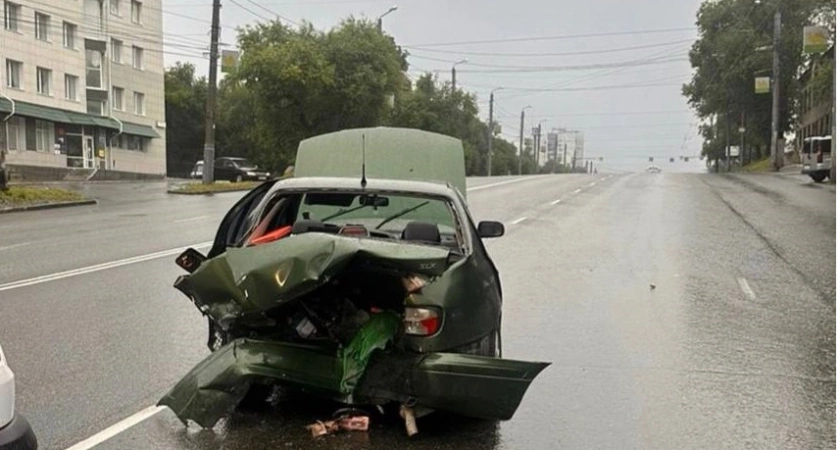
818, 177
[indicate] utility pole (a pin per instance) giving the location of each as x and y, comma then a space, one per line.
745, 158
726, 133
565, 158
539, 146
832, 173
210, 111
490, 135
521, 138
777, 81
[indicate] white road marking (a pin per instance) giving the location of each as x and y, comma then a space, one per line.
519, 220
98, 267
577, 190
117, 428
190, 219
745, 286
9, 247
501, 183
592, 183
557, 201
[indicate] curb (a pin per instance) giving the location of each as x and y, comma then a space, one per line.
37, 207
178, 192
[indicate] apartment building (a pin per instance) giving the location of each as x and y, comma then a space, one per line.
82, 86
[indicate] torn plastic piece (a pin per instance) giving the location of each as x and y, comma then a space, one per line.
407, 413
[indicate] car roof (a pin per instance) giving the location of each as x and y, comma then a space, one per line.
373, 184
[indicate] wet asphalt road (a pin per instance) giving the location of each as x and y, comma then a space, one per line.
678, 311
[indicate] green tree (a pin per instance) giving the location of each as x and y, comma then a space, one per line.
185, 98
734, 48
305, 82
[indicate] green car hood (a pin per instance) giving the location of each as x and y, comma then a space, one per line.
245, 281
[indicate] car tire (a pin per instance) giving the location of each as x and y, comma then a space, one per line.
818, 177
238, 179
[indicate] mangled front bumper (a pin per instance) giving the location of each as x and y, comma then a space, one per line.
474, 386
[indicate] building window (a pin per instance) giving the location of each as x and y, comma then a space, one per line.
13, 73
93, 64
115, 7
136, 57
136, 143
116, 50
43, 80
70, 84
70, 35
42, 27
11, 16
44, 135
15, 135
136, 11
117, 98
96, 107
139, 104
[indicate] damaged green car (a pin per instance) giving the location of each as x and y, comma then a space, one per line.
363, 279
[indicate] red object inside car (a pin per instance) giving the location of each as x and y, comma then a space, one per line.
273, 235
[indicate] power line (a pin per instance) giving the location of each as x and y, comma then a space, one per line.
547, 38
531, 55
272, 12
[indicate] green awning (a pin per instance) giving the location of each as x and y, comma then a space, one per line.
56, 115
139, 130
35, 111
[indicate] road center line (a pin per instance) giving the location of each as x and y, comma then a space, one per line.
519, 220
556, 201
592, 183
117, 428
98, 267
190, 219
577, 191
9, 247
745, 286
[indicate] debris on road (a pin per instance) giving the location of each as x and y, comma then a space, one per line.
346, 423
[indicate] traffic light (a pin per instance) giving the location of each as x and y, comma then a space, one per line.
650, 159
672, 159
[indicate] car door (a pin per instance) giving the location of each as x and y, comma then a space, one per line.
233, 225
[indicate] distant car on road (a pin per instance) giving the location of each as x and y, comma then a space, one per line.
15, 432
654, 169
816, 157
238, 169
198, 170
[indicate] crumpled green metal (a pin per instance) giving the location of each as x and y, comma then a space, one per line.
374, 335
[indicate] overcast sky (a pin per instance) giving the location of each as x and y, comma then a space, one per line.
642, 42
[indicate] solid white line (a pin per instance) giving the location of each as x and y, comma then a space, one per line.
556, 201
190, 219
577, 190
501, 183
97, 267
9, 247
117, 428
745, 286
519, 220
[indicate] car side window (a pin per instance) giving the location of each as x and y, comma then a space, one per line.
235, 223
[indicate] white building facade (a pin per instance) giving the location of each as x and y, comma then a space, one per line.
82, 85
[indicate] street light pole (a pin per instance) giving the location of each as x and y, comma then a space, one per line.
521, 136
490, 135
379, 19
774, 139
463, 61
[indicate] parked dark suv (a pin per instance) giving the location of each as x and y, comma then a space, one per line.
238, 169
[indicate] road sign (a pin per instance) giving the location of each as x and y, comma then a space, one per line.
762, 85
814, 39
229, 60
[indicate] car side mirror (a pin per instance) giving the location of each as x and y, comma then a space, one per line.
490, 229
190, 259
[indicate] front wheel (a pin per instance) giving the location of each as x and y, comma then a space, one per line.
238, 179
